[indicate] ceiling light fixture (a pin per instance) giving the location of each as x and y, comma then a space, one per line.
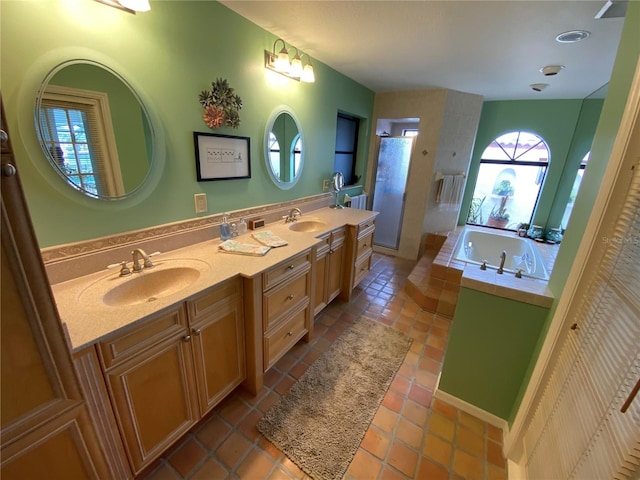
572, 36
538, 87
280, 63
551, 70
130, 6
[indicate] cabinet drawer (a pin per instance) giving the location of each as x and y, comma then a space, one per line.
361, 268
138, 338
214, 298
366, 228
279, 300
287, 269
278, 342
363, 245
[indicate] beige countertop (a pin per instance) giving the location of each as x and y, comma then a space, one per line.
87, 318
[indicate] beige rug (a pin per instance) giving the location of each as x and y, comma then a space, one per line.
321, 421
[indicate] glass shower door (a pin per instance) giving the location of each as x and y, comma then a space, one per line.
394, 156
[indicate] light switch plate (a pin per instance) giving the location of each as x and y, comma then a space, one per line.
325, 185
200, 200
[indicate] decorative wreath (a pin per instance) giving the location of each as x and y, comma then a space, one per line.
221, 105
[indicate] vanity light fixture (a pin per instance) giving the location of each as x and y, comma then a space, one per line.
551, 70
538, 87
280, 63
130, 6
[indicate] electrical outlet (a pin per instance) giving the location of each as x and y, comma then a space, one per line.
325, 185
200, 201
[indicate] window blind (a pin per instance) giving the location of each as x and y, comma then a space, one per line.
578, 429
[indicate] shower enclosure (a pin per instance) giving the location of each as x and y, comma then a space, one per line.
392, 169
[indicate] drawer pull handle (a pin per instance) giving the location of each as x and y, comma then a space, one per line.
289, 334
186, 338
291, 267
196, 331
290, 296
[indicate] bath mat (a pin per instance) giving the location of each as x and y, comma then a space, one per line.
321, 421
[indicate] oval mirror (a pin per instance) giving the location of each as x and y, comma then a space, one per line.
284, 148
94, 129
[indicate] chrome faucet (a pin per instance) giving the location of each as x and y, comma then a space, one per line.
503, 258
294, 214
138, 254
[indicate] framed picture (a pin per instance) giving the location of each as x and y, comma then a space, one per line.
222, 157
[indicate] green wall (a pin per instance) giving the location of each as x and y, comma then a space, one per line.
553, 120
169, 55
491, 343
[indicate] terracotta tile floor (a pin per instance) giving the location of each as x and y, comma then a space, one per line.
412, 435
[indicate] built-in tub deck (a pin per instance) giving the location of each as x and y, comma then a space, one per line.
436, 279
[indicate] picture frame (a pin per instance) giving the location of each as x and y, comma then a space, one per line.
222, 157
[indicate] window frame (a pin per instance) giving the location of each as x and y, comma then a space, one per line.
101, 139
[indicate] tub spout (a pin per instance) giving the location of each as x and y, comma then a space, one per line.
503, 258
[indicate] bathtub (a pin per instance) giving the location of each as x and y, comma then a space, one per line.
475, 246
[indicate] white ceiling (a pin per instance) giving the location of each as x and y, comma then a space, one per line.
491, 48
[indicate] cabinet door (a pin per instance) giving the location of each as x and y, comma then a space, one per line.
154, 397
335, 267
44, 426
219, 353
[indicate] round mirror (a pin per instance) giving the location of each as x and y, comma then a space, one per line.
284, 148
94, 129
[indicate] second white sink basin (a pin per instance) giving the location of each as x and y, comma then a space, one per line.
307, 225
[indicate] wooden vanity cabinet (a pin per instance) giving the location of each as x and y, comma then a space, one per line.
359, 247
165, 373
278, 313
329, 272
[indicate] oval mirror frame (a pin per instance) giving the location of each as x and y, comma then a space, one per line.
147, 144
278, 120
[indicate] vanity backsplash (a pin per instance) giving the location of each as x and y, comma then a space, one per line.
65, 262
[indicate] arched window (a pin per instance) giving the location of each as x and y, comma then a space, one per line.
511, 173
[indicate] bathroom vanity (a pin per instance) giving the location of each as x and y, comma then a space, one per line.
229, 321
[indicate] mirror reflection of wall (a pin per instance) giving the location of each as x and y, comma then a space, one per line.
94, 130
347, 128
284, 148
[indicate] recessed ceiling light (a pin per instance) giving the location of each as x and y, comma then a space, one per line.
572, 36
538, 87
551, 70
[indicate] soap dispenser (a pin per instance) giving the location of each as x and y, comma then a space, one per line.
242, 227
225, 228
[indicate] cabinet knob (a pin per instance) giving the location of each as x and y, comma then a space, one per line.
8, 170
290, 296
186, 338
4, 137
196, 331
291, 267
330, 251
289, 334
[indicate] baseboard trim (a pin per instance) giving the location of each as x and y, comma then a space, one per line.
477, 412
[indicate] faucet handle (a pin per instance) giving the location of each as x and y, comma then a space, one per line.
147, 261
484, 265
124, 270
519, 273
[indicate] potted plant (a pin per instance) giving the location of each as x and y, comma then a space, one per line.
499, 216
504, 189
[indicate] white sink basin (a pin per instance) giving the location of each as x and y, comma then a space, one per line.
164, 279
307, 225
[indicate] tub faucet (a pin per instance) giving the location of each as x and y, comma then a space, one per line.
138, 254
294, 214
503, 258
